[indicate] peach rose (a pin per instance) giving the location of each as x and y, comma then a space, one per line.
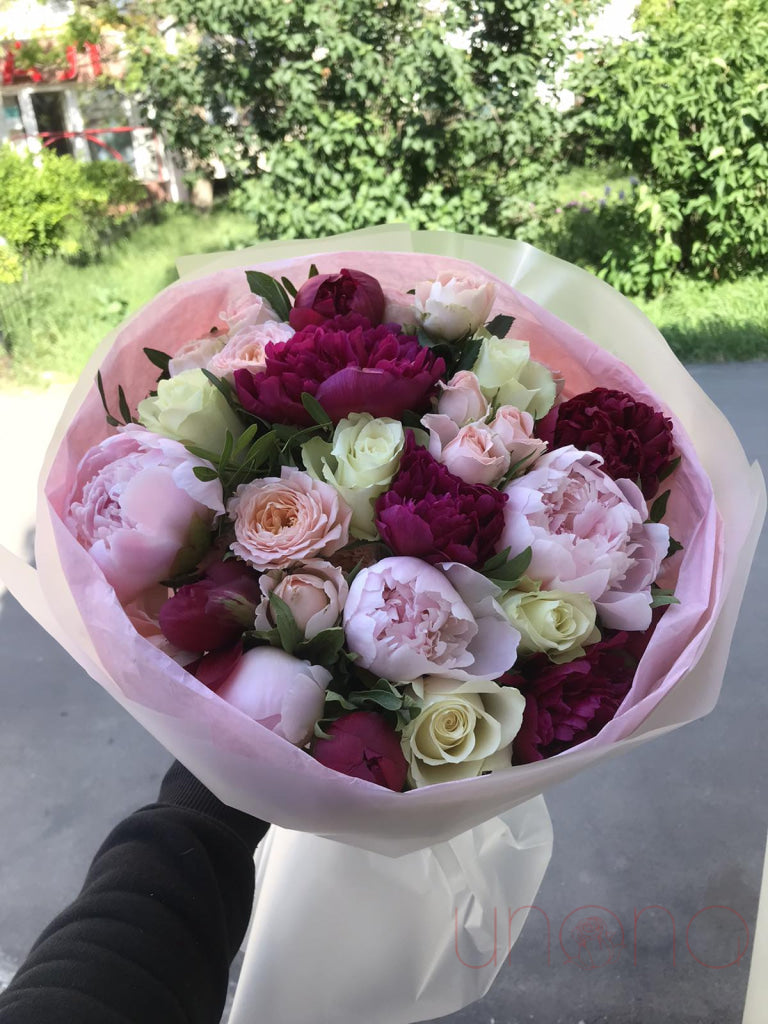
245, 349
283, 520
474, 452
315, 593
462, 400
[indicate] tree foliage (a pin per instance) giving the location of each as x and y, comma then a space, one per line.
685, 105
332, 114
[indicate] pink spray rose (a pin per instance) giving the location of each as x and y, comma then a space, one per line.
195, 354
137, 507
514, 428
473, 453
278, 691
461, 399
245, 312
315, 594
364, 746
287, 519
246, 349
325, 296
588, 534
405, 618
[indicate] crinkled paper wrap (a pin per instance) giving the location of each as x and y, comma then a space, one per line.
573, 322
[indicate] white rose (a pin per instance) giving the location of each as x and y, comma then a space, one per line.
315, 595
360, 463
188, 408
508, 376
196, 354
557, 623
462, 731
451, 306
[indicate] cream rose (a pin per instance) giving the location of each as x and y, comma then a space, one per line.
188, 408
283, 520
246, 349
462, 731
508, 376
557, 623
315, 595
452, 306
196, 354
360, 463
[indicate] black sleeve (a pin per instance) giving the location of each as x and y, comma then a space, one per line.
151, 936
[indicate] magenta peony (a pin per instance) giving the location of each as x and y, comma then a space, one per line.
325, 296
634, 439
348, 366
567, 704
215, 611
364, 746
430, 513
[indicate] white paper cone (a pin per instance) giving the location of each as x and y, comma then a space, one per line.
366, 938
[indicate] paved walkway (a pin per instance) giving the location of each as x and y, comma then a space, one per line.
679, 825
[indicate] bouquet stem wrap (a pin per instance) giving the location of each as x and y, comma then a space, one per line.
331, 920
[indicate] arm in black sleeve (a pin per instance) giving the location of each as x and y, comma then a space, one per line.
151, 936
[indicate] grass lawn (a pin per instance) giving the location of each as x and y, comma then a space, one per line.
52, 322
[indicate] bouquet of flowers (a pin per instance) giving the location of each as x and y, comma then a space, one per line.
380, 547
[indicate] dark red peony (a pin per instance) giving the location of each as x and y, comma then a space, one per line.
325, 296
634, 439
364, 746
431, 514
348, 366
567, 704
214, 612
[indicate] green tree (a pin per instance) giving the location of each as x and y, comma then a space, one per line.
334, 113
685, 105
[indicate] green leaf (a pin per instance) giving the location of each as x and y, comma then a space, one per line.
100, 385
324, 648
290, 634
205, 473
659, 507
226, 452
221, 385
315, 410
313, 271
506, 575
469, 355
670, 469
158, 358
500, 325
674, 547
496, 561
246, 437
659, 597
331, 697
384, 698
289, 286
271, 290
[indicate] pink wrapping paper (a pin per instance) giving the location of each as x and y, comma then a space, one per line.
245, 764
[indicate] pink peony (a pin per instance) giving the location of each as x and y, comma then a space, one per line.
588, 534
137, 507
246, 349
473, 452
364, 746
348, 366
405, 618
283, 520
280, 692
315, 593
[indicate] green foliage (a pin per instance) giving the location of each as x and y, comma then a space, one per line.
55, 206
332, 114
686, 107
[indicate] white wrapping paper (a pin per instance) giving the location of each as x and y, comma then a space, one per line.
452, 852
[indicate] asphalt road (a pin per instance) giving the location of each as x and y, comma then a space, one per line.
679, 825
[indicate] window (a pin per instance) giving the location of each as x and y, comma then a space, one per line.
102, 110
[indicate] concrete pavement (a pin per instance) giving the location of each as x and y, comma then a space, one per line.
679, 825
